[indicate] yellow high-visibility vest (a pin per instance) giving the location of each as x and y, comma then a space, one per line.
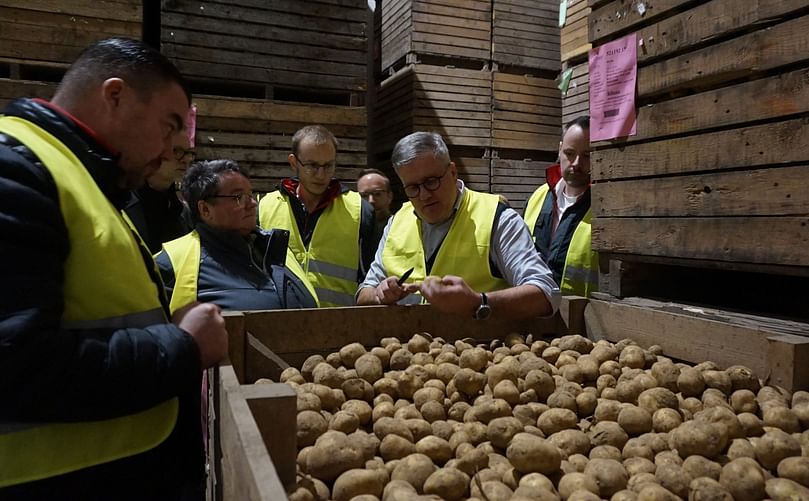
580, 275
464, 251
331, 261
184, 254
107, 285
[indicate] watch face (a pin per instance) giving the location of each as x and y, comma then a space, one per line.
483, 312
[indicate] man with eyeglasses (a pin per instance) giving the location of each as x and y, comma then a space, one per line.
560, 223
332, 229
463, 251
156, 209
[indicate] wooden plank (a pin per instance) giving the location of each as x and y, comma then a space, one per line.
768, 98
237, 342
120, 10
757, 146
619, 16
697, 335
274, 408
247, 471
261, 362
712, 238
736, 193
780, 45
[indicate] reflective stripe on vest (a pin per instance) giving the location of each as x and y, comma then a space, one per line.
332, 260
184, 254
106, 285
464, 251
580, 275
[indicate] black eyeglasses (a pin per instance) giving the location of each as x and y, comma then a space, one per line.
429, 184
184, 154
376, 194
312, 167
240, 198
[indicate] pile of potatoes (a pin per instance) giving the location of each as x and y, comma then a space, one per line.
520, 419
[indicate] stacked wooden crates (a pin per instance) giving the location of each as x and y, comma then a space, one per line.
39, 40
480, 73
574, 49
273, 67
715, 177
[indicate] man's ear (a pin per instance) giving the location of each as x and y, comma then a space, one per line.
203, 209
293, 162
112, 90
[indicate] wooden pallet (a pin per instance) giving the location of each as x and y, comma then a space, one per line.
577, 100
526, 112
525, 33
13, 89
574, 40
453, 102
448, 28
258, 135
270, 49
517, 179
54, 33
716, 173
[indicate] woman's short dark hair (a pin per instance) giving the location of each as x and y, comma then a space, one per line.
201, 181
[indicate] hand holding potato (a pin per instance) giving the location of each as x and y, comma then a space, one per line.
450, 294
389, 291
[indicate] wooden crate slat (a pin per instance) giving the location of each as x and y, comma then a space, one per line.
120, 10
710, 238
526, 35
736, 193
756, 146
619, 16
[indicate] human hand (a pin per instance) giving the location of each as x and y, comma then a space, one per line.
389, 291
204, 322
450, 294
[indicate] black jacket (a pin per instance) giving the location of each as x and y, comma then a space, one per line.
159, 216
51, 374
237, 274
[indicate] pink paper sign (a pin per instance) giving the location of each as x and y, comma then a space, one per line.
613, 73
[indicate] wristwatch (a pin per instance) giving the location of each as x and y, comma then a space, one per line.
484, 311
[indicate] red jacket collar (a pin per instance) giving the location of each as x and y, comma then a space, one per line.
334, 190
83, 126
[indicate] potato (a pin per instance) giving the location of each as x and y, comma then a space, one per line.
541, 382
624, 495
332, 455
419, 428
666, 375
719, 380
556, 420
724, 416
741, 448
570, 442
665, 420
783, 489
447, 483
583, 495
635, 447
508, 369
610, 368
399, 490
774, 446
357, 482
571, 482
501, 430
795, 468
783, 418
674, 478
469, 382
534, 363
638, 465
744, 479
395, 447
743, 401
699, 466
690, 383
635, 420
400, 359
437, 449
586, 402
628, 390
358, 389
369, 367
610, 475
492, 409
742, 378
387, 386
607, 410
637, 482
350, 353
507, 391
301, 493
632, 357
310, 425
473, 461
344, 421
551, 354
327, 375
391, 426
707, 489
608, 433
657, 398
530, 454
605, 452
492, 490
752, 426
656, 492
698, 437
414, 469
360, 408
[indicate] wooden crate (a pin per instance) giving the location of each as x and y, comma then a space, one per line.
258, 135
525, 34
13, 89
454, 29
574, 39
453, 102
254, 450
517, 179
526, 112
47, 33
577, 100
316, 49
716, 174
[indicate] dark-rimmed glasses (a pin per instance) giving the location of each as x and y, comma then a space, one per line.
429, 184
184, 154
240, 198
312, 167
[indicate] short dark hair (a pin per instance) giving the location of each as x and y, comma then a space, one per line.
582, 121
317, 133
201, 181
143, 68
